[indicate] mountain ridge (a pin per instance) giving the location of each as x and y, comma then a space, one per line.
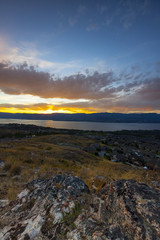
92, 117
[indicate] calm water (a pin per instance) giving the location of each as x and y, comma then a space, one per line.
97, 126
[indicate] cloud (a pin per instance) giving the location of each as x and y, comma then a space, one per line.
92, 27
44, 108
151, 90
31, 108
25, 79
123, 105
108, 21
124, 12
128, 11
128, 103
74, 19
27, 52
131, 90
102, 9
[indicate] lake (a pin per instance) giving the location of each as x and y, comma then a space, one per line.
97, 126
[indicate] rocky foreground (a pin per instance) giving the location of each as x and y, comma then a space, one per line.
62, 207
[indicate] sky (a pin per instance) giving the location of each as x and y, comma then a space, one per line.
79, 56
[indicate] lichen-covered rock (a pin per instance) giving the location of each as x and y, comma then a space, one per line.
41, 207
124, 210
132, 210
63, 208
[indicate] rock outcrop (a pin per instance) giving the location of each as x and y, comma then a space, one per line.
138, 151
62, 207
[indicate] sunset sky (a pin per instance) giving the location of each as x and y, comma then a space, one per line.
79, 56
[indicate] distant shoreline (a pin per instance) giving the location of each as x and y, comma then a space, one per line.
82, 117
86, 126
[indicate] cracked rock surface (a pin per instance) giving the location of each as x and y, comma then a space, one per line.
62, 207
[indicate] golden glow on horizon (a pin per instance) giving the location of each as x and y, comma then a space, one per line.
49, 109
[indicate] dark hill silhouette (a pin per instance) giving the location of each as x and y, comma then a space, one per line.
94, 117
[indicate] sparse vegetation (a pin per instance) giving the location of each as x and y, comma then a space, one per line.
13, 190
15, 169
68, 220
43, 156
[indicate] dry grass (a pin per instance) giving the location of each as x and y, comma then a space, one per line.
15, 169
48, 155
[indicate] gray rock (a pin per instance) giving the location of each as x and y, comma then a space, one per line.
42, 202
63, 208
4, 202
2, 163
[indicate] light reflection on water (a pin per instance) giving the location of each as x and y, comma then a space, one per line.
97, 126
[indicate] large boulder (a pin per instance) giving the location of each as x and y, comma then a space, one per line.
124, 210
131, 210
41, 208
63, 208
